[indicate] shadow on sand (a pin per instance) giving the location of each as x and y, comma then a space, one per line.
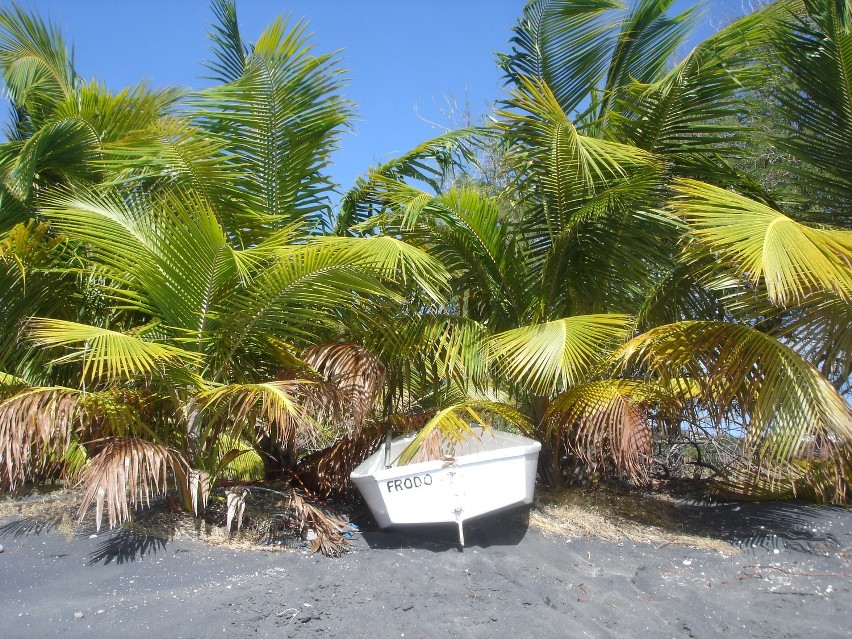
29, 526
125, 546
119, 546
656, 518
499, 529
797, 526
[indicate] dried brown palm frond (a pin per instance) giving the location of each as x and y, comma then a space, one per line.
433, 446
127, 471
294, 512
326, 472
35, 425
603, 423
199, 489
409, 422
287, 410
236, 503
329, 527
355, 371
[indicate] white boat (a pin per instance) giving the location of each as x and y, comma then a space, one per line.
489, 471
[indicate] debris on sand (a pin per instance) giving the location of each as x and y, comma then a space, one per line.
639, 517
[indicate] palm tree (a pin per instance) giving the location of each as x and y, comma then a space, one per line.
619, 288
61, 129
203, 302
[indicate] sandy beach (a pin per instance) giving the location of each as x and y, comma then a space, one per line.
788, 574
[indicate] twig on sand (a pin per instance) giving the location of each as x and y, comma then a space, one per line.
750, 575
796, 574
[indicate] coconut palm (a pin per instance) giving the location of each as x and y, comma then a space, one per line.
60, 130
200, 289
611, 290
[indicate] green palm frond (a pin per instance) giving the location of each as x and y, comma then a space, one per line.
425, 351
690, 108
564, 44
821, 330
392, 260
29, 246
107, 354
594, 49
690, 288
38, 277
793, 412
424, 163
238, 460
68, 146
469, 234
287, 410
762, 245
15, 211
173, 153
301, 295
280, 119
453, 424
647, 40
586, 200
229, 51
7, 380
37, 68
518, 266
453, 347
549, 357
171, 250
814, 47
395, 204
74, 460
815, 480
602, 259
59, 152
118, 116
536, 120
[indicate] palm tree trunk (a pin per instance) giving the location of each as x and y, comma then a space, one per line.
193, 431
277, 459
548, 460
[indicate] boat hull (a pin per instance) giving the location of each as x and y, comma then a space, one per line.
494, 471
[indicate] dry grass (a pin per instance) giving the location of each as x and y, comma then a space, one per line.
639, 517
268, 524
52, 510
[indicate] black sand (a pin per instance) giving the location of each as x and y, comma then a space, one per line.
792, 577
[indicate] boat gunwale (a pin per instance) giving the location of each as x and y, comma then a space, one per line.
520, 447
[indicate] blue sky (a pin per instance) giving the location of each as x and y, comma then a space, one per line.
404, 56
